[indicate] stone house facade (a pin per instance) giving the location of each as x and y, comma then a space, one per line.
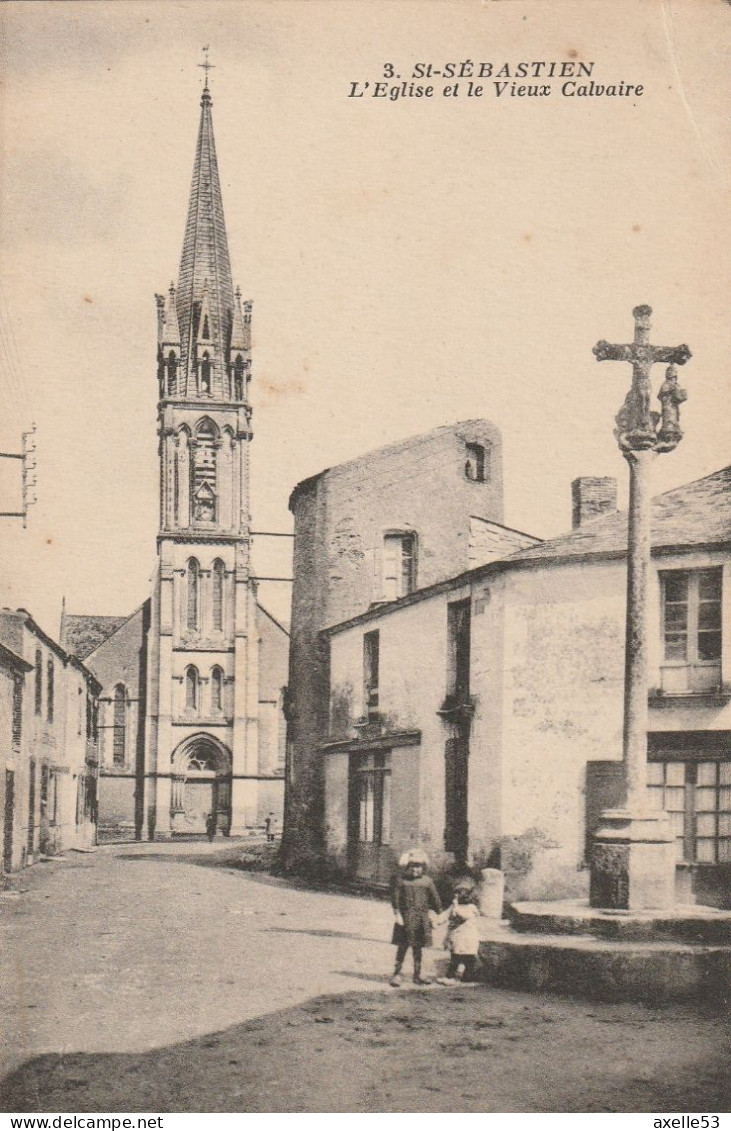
496, 731
50, 788
368, 534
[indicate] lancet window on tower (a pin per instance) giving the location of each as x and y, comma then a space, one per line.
206, 372
239, 377
192, 688
203, 466
194, 581
172, 373
216, 691
218, 574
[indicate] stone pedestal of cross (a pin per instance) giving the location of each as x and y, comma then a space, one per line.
633, 856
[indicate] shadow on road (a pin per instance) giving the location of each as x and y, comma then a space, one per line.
322, 933
412, 1050
230, 858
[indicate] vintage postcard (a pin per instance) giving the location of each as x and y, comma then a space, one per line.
365, 569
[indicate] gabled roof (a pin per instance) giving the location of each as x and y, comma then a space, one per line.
10, 659
81, 635
696, 514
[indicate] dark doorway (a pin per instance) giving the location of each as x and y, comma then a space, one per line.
9, 815
457, 714
31, 805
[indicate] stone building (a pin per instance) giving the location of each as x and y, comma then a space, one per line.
193, 681
368, 533
116, 649
481, 716
48, 716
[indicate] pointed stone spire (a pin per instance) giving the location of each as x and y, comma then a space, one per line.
170, 328
204, 264
239, 335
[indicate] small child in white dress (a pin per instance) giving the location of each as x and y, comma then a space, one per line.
463, 936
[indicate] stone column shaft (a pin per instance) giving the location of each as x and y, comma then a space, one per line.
636, 664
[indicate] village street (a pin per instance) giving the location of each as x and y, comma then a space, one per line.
157, 978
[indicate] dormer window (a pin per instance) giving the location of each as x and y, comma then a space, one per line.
206, 329
475, 463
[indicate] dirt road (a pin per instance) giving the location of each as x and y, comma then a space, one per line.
158, 978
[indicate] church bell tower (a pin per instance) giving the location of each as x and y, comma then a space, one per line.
202, 713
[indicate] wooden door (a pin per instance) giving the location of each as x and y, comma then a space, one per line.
370, 854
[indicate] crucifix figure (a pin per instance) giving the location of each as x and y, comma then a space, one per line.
636, 423
632, 862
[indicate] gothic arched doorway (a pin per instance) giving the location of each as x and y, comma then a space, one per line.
201, 786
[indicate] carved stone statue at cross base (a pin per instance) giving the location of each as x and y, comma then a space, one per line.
671, 396
639, 428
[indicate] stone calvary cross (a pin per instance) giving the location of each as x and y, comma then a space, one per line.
633, 865
636, 423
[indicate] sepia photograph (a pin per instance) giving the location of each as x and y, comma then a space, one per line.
365, 559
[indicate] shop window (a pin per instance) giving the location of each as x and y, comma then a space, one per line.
691, 625
697, 795
399, 565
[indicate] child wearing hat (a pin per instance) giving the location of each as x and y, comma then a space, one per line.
463, 937
413, 896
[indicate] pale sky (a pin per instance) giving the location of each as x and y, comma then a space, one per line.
411, 262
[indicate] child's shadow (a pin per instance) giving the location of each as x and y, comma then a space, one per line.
324, 933
382, 979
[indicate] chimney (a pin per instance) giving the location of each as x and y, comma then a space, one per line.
592, 496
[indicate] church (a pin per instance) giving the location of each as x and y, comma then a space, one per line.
191, 709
